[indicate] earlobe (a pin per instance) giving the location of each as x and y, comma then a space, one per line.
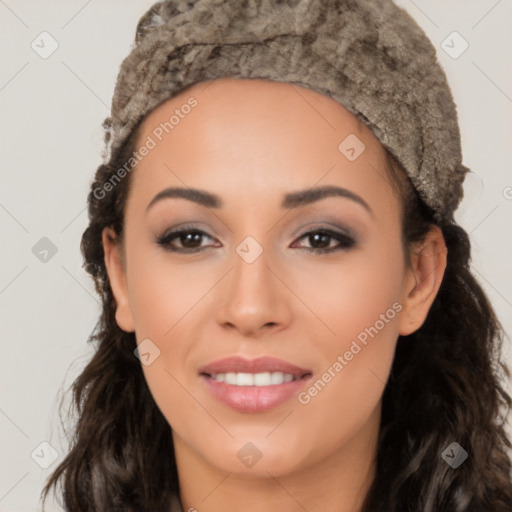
117, 277
424, 277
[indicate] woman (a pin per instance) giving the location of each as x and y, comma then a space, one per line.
289, 320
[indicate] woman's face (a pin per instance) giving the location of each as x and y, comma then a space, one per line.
252, 278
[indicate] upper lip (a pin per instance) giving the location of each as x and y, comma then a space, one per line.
237, 364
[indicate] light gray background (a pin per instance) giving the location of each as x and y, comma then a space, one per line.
51, 138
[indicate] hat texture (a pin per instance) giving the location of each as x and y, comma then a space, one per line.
369, 55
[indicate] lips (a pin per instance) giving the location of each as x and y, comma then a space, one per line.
237, 364
253, 398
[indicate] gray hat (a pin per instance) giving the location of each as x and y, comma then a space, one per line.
369, 55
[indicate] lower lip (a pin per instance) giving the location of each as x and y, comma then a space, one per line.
254, 398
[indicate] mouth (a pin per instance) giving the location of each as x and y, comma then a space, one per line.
255, 379
254, 385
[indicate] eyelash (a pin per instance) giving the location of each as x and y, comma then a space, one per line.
345, 241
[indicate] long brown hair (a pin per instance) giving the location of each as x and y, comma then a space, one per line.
444, 387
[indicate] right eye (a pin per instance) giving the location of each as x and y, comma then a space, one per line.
189, 238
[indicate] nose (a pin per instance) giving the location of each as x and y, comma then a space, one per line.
254, 301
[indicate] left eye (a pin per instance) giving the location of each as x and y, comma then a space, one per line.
190, 240
323, 237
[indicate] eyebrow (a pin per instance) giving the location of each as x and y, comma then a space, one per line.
291, 200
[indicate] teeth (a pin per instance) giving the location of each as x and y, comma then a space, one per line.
254, 379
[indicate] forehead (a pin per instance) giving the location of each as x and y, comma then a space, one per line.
257, 136
256, 104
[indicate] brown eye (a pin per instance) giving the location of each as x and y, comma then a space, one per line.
320, 241
188, 240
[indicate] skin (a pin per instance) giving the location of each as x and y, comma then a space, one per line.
250, 142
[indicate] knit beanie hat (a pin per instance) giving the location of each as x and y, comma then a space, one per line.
369, 55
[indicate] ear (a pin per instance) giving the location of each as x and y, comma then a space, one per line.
423, 279
115, 265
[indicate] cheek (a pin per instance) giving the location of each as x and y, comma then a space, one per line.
346, 295
162, 294
168, 302
164, 300
358, 305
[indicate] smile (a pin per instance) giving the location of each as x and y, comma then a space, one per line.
254, 393
255, 379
